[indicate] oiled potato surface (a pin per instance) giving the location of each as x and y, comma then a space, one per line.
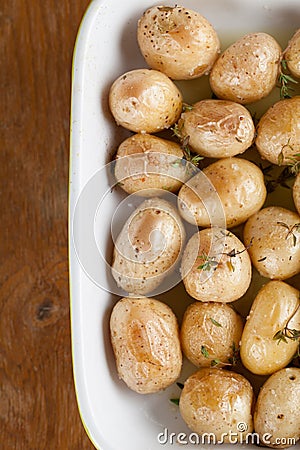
216, 401
145, 101
177, 41
272, 310
210, 333
277, 412
145, 340
247, 70
217, 128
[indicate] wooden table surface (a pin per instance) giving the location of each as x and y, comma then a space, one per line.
38, 408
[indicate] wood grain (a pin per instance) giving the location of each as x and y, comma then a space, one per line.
38, 409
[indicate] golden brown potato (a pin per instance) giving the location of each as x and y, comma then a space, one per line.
217, 401
247, 70
217, 128
277, 412
148, 165
145, 339
296, 193
273, 237
210, 334
145, 101
215, 266
292, 55
272, 310
238, 183
278, 132
177, 41
148, 246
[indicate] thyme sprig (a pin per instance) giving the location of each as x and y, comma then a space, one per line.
209, 262
215, 322
188, 155
281, 180
294, 164
217, 362
291, 229
287, 333
285, 80
212, 262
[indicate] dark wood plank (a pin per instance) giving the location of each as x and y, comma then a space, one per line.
38, 408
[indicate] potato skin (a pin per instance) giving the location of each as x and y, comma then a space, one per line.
138, 266
145, 101
277, 411
296, 193
247, 70
177, 41
227, 278
278, 132
272, 308
146, 164
275, 242
292, 55
217, 128
145, 339
217, 327
215, 401
238, 183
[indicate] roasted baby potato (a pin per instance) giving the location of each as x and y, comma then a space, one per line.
215, 266
177, 41
148, 246
278, 132
296, 193
210, 334
238, 183
148, 165
273, 238
217, 128
247, 70
145, 101
264, 350
277, 412
292, 55
145, 339
216, 401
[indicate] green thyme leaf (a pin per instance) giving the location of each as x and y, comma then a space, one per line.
204, 351
215, 362
217, 324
